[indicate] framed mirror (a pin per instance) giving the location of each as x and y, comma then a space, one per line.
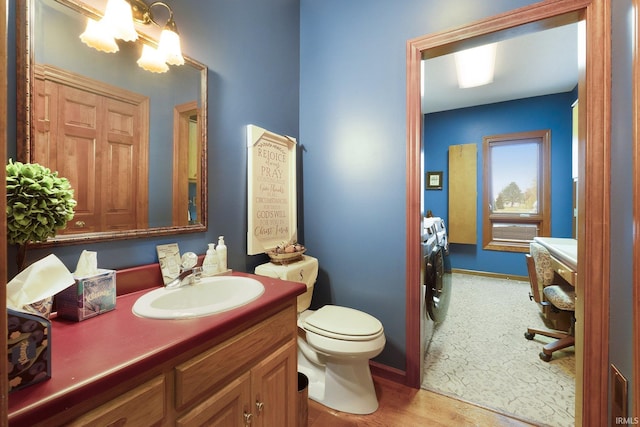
132, 143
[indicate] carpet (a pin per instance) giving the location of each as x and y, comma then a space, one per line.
479, 354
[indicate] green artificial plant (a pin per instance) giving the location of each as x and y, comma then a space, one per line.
39, 203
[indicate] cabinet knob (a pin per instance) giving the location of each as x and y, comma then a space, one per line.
80, 224
259, 406
247, 419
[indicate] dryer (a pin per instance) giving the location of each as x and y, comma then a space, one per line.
438, 275
435, 280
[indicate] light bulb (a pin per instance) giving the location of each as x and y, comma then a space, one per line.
119, 18
169, 46
152, 60
97, 36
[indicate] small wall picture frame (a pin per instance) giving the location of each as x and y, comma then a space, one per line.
433, 181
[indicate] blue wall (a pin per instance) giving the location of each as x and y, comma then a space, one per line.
469, 126
353, 130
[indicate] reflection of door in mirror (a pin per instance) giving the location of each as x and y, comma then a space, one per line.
94, 134
47, 34
187, 164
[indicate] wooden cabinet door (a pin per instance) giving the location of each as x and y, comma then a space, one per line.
227, 408
274, 383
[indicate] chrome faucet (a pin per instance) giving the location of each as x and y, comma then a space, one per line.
189, 273
186, 277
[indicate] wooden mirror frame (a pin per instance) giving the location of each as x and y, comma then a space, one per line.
24, 78
4, 380
592, 334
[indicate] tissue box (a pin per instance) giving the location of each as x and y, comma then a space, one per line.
28, 349
88, 297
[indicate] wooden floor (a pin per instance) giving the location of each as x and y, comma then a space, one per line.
405, 406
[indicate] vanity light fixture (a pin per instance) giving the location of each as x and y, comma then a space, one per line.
475, 66
118, 23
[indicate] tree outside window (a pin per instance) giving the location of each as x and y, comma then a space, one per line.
516, 189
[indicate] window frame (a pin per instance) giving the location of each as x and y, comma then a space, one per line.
543, 218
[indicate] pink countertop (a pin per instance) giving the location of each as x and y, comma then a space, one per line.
90, 356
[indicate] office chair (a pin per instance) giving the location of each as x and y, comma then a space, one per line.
558, 297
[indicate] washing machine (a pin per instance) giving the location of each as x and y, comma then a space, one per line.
429, 245
435, 280
438, 274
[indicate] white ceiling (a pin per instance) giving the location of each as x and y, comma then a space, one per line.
535, 64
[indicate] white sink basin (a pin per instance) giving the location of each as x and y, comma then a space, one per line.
208, 296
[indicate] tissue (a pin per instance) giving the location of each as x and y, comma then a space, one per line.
92, 293
28, 336
39, 281
87, 264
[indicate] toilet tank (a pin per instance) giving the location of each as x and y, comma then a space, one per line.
303, 271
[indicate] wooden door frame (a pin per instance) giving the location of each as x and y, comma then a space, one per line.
635, 404
180, 198
4, 384
593, 189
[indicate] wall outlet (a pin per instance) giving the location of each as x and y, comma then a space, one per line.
619, 396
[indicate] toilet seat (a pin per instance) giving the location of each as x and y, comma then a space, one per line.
342, 323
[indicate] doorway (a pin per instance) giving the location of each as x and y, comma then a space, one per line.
593, 192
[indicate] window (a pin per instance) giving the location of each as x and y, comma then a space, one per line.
517, 199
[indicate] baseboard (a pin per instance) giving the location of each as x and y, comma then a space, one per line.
388, 373
489, 274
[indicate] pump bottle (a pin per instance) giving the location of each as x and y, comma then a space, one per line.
222, 255
210, 264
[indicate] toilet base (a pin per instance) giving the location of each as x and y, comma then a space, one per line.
345, 385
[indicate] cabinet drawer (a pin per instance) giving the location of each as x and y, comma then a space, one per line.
144, 405
564, 271
210, 370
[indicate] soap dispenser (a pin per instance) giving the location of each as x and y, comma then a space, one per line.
210, 264
222, 254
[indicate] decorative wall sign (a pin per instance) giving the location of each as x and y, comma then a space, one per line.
169, 259
271, 177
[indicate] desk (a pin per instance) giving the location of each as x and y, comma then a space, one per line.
564, 256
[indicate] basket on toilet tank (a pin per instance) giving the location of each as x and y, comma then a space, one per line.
304, 271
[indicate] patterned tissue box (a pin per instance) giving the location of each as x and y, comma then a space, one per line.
28, 349
88, 296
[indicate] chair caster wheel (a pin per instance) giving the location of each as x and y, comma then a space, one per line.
545, 357
529, 335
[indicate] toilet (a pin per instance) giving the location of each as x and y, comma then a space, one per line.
334, 344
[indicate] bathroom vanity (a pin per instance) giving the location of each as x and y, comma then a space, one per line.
230, 369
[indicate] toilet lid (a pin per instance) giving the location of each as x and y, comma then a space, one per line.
343, 323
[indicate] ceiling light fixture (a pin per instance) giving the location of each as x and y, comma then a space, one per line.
118, 23
475, 66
